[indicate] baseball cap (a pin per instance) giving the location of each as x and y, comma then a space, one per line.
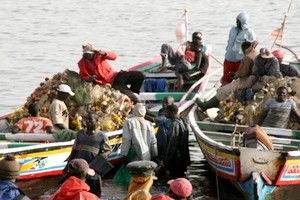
278, 53
265, 53
80, 166
88, 48
181, 187
65, 88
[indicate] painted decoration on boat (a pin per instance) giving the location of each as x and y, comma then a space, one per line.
225, 164
290, 173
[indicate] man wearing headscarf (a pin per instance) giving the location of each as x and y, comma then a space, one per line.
138, 136
237, 35
285, 69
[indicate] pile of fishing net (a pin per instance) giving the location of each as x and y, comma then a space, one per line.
239, 108
111, 105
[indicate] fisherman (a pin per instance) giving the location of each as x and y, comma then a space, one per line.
142, 176
93, 67
240, 77
187, 54
177, 156
75, 187
179, 189
285, 69
138, 136
34, 123
9, 172
58, 111
237, 35
93, 146
277, 112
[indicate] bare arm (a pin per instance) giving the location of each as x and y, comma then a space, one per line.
262, 117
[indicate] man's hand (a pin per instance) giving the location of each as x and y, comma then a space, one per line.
92, 78
100, 52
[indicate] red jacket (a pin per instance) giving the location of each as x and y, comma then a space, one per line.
74, 189
101, 68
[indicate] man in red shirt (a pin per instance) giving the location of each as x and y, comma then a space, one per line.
93, 67
34, 123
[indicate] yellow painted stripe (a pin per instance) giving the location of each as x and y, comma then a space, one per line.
293, 162
115, 140
45, 153
222, 154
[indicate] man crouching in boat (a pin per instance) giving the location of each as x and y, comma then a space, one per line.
93, 67
187, 54
277, 112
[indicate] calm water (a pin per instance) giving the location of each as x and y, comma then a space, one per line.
40, 38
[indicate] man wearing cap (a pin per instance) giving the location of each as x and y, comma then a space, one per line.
265, 69
75, 188
180, 189
93, 67
9, 172
58, 111
285, 69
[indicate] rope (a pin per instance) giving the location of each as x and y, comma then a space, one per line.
232, 139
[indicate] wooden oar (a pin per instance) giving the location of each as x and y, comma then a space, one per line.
196, 84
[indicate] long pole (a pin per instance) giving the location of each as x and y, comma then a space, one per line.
186, 24
282, 25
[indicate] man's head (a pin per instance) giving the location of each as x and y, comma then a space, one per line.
139, 110
64, 91
79, 168
279, 54
171, 111
33, 109
168, 100
242, 20
9, 168
265, 53
180, 188
91, 120
245, 45
88, 51
281, 93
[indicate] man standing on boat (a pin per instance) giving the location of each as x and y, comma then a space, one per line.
237, 35
93, 67
277, 112
187, 54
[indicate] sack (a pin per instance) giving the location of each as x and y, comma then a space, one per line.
122, 175
101, 165
192, 74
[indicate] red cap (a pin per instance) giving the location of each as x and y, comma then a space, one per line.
181, 187
278, 53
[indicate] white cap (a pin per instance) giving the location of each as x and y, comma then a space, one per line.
65, 88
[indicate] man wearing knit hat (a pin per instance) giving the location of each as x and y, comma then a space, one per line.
285, 69
9, 172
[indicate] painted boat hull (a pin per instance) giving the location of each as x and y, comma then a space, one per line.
257, 173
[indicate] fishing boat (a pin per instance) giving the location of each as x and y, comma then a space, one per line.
38, 159
262, 162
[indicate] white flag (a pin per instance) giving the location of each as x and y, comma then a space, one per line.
181, 29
